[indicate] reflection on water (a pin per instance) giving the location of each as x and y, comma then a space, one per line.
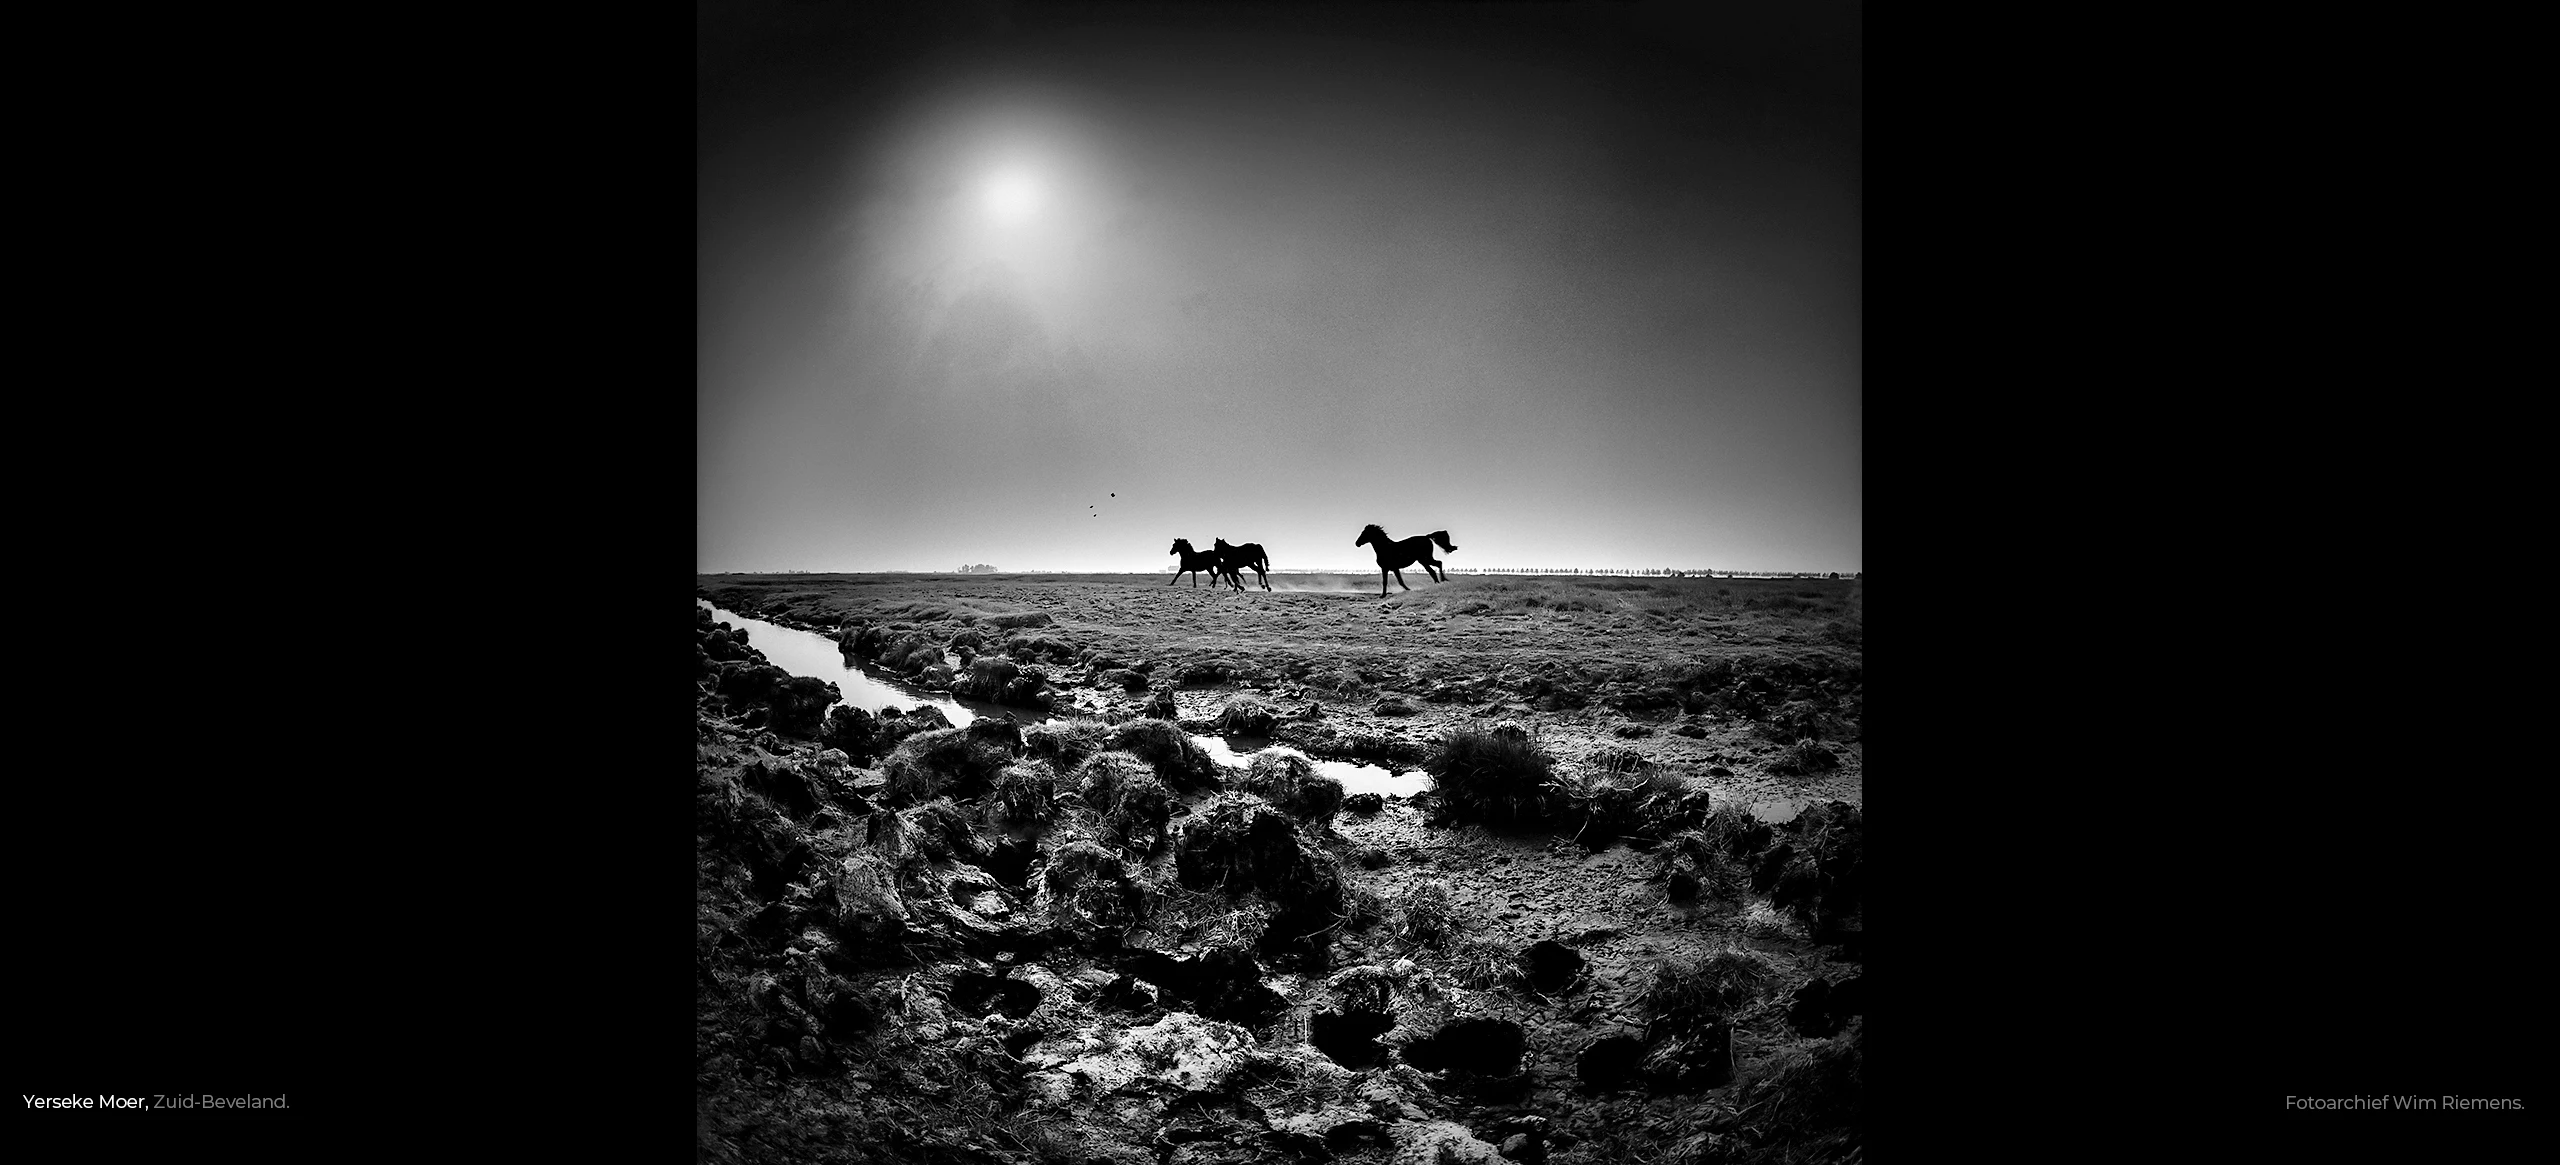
806, 653
1780, 811
1355, 777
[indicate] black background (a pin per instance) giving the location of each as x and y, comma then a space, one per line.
2178, 841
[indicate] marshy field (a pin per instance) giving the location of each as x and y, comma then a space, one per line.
1619, 921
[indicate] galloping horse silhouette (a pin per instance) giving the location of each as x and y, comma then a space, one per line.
1396, 555
1238, 559
1193, 562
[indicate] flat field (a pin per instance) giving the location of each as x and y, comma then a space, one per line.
1694, 674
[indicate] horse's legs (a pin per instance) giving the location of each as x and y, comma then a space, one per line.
1382, 582
1400, 580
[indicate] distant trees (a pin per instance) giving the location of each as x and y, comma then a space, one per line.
980, 568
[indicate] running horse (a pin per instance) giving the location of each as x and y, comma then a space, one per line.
1238, 559
1193, 562
1395, 555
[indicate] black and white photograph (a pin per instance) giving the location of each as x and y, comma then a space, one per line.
1279, 583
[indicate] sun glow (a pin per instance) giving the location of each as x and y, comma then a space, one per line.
1012, 196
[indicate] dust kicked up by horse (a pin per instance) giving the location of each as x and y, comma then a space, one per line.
1394, 555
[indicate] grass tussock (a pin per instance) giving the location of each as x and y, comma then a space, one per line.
1805, 757
1822, 881
1620, 794
1291, 782
1426, 916
1486, 966
1497, 773
1696, 867
1131, 805
943, 762
1709, 987
1179, 763
1804, 1104
1207, 918
1238, 843
1066, 743
1023, 800
1247, 714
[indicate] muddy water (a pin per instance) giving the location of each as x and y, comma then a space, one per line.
805, 653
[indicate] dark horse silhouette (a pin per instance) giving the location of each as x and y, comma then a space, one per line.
1238, 559
1193, 562
1396, 555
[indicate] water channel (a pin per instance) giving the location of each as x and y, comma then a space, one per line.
805, 653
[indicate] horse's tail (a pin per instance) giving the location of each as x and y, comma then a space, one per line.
1442, 537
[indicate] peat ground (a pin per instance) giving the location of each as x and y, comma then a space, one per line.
1078, 941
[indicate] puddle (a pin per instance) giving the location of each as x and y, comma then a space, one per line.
1777, 812
1237, 751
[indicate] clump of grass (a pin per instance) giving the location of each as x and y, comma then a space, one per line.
1066, 743
1178, 762
1804, 758
1207, 918
1485, 965
1822, 881
1291, 782
1616, 795
1023, 799
947, 760
1496, 773
1709, 987
1088, 887
1247, 714
1699, 865
1803, 1104
1124, 793
1238, 842
1802, 719
939, 831
1425, 916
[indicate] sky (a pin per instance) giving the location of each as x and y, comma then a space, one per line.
1049, 286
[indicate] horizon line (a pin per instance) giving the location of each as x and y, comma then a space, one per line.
1562, 571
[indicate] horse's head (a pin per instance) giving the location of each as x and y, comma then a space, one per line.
1180, 546
1222, 546
1369, 534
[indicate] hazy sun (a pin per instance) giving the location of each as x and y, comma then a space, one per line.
1012, 196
